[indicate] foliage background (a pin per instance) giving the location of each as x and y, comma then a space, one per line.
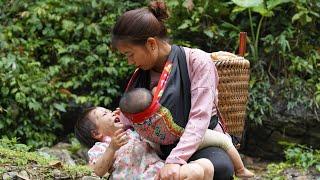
55, 55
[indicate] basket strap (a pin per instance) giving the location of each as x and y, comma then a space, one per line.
221, 120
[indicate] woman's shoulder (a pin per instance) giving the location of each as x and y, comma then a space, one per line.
197, 58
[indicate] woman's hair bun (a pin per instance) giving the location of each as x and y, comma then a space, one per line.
159, 9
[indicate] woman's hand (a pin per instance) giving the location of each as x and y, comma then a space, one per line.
118, 139
169, 172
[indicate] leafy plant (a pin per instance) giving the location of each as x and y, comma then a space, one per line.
297, 155
55, 55
264, 9
274, 170
301, 155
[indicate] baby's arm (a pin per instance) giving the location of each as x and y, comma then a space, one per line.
215, 138
105, 162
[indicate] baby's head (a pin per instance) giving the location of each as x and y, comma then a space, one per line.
135, 100
95, 124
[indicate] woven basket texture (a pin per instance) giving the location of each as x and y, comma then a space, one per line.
234, 74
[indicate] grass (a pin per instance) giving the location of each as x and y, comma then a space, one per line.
16, 157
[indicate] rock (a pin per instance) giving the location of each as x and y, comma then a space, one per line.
6, 176
62, 154
56, 173
247, 160
298, 125
90, 178
23, 175
62, 145
83, 154
10, 175
302, 178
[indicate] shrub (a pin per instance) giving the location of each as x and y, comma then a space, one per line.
55, 53
282, 45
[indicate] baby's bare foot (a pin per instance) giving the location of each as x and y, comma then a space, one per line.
244, 173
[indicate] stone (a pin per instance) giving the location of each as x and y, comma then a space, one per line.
90, 178
298, 125
62, 154
62, 145
56, 173
23, 175
10, 175
6, 176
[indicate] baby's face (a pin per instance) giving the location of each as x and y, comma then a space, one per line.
106, 121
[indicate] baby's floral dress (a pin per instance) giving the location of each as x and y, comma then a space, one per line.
135, 160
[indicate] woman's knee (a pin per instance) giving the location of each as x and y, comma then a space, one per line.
223, 167
191, 171
207, 166
223, 170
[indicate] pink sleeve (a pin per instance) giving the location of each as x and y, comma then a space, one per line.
203, 77
97, 151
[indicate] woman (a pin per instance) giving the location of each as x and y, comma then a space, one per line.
186, 91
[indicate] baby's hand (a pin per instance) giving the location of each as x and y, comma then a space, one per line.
118, 139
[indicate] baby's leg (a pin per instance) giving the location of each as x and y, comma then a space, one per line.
201, 169
214, 138
217, 139
239, 168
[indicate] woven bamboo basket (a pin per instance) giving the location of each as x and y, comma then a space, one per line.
233, 74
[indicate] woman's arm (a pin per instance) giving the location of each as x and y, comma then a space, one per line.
203, 78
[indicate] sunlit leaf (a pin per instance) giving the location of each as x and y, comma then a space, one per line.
208, 32
261, 9
238, 9
60, 107
247, 3
274, 3
297, 16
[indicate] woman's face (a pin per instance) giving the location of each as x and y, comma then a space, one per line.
106, 121
141, 56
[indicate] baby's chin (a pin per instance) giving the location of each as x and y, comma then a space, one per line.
118, 125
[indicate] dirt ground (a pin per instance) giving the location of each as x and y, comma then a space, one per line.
259, 167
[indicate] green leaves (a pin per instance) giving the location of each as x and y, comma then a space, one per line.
60, 107
55, 53
302, 156
68, 25
20, 98
274, 3
247, 3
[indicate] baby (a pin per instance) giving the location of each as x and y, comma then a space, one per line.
139, 99
123, 153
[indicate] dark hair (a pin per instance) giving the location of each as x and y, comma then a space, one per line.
84, 127
135, 100
136, 26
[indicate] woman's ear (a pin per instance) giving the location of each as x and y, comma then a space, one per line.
151, 44
96, 135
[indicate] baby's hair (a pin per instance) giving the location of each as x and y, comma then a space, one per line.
135, 100
84, 127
